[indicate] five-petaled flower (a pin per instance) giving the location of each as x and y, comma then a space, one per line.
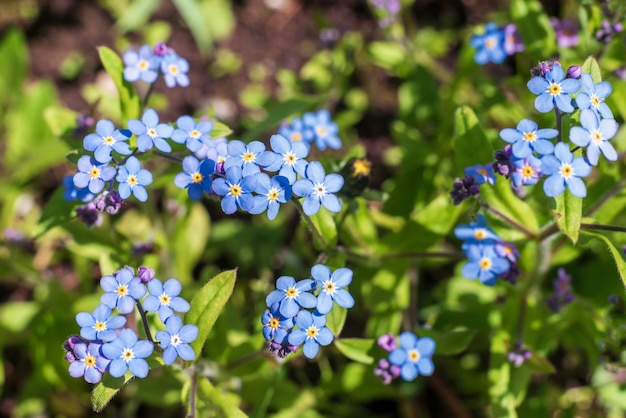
176, 338
192, 134
331, 287
121, 290
248, 157
236, 190
275, 325
318, 188
88, 361
413, 356
289, 157
150, 132
554, 89
594, 95
175, 70
196, 178
325, 131
164, 298
292, 296
106, 140
127, 352
133, 179
92, 174
141, 65
271, 192
564, 170
526, 138
101, 325
595, 134
489, 45
483, 263
527, 171
311, 331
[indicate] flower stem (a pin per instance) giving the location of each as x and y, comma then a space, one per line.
193, 393
310, 224
559, 125
601, 227
167, 156
144, 101
510, 221
144, 320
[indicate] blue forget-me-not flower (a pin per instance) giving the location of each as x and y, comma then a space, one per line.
164, 298
563, 170
236, 190
318, 188
196, 178
292, 296
100, 325
106, 140
554, 89
150, 132
331, 287
526, 138
176, 338
311, 331
595, 134
127, 352
413, 356
133, 179
121, 290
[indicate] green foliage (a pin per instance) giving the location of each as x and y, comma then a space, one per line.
129, 101
568, 214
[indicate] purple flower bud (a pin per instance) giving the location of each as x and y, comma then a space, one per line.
145, 274
621, 74
140, 249
89, 215
387, 342
160, 49
109, 202
574, 71
543, 67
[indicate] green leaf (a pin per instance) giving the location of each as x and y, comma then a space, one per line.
615, 251
129, 101
220, 130
61, 120
470, 142
207, 305
104, 391
216, 399
17, 316
14, 50
356, 349
439, 216
449, 342
538, 364
389, 55
336, 319
55, 212
591, 67
207, 20
325, 224
190, 240
137, 14
534, 27
568, 214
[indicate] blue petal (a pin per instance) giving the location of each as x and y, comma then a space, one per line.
577, 187
425, 366
315, 172
407, 340
426, 346
320, 272
408, 371
325, 336
564, 103
344, 298
140, 193
544, 103
397, 356
136, 127
333, 183
117, 367
169, 355
510, 135
297, 337
150, 118
302, 187
608, 151
311, 348
537, 85
324, 303
186, 352
139, 367
311, 205
554, 185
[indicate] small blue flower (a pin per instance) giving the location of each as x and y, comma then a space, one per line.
271, 193
88, 361
175, 70
595, 134
593, 96
289, 157
481, 173
564, 170
489, 45
150, 132
100, 325
526, 172
476, 231
553, 89
192, 134
324, 129
276, 326
175, 340
296, 131
311, 331
133, 179
527, 138
331, 287
196, 178
483, 263
106, 140
122, 290
292, 296
248, 157
236, 190
142, 65
318, 188
164, 298
216, 150
71, 192
413, 356
128, 353
92, 174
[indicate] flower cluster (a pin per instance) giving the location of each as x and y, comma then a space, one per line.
469, 186
296, 313
489, 257
106, 345
146, 63
408, 359
232, 171
313, 127
563, 294
496, 43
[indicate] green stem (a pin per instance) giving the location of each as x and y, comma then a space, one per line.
193, 394
144, 320
510, 221
559, 124
601, 227
310, 224
614, 191
167, 156
144, 101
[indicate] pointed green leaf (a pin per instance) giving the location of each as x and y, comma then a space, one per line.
207, 305
538, 364
104, 391
55, 212
220, 130
591, 67
470, 142
336, 319
615, 251
61, 120
568, 214
325, 224
356, 349
129, 101
213, 396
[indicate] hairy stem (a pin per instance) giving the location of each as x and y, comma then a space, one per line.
510, 221
310, 224
144, 320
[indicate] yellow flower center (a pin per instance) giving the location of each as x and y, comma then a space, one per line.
596, 137
296, 136
528, 171
94, 173
595, 102
485, 263
235, 190
175, 340
90, 361
274, 323
554, 89
567, 171
248, 157
221, 159
122, 290
480, 233
143, 65
490, 43
152, 132
132, 180
108, 140
321, 131
311, 331
329, 286
128, 354
290, 158
195, 134
173, 69
165, 299
272, 195
361, 167
414, 356
530, 136
197, 177
100, 326
292, 292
